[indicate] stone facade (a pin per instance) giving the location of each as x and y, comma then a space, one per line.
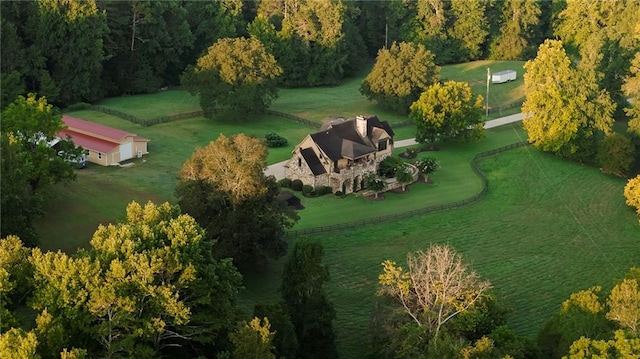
342, 156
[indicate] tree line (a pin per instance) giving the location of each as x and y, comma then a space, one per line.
81, 51
150, 286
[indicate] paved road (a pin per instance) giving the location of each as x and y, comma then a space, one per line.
277, 169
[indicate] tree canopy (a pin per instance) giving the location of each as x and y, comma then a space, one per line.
30, 165
632, 193
447, 111
146, 284
224, 188
400, 75
303, 293
587, 324
436, 286
565, 107
631, 89
236, 73
519, 19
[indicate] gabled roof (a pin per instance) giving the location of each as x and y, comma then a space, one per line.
109, 133
342, 140
93, 136
313, 161
89, 142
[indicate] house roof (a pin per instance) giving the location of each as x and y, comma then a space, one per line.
94, 136
89, 142
313, 161
341, 138
110, 133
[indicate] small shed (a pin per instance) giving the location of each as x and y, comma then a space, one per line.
503, 76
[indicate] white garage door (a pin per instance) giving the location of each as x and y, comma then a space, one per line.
126, 151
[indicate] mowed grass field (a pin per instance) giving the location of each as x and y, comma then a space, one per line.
546, 228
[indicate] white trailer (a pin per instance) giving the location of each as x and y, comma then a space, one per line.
503, 76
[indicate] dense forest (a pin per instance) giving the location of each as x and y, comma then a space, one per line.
164, 282
82, 51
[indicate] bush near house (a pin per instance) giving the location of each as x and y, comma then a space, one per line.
274, 140
389, 166
296, 185
285, 182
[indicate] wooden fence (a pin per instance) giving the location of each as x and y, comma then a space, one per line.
415, 212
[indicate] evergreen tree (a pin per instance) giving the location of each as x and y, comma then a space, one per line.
311, 312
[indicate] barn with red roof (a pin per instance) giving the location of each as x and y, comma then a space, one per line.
106, 145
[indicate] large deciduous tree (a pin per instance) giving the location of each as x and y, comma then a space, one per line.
631, 89
518, 26
314, 41
447, 111
605, 34
16, 276
632, 194
436, 287
30, 166
212, 20
224, 188
565, 107
146, 284
400, 75
469, 28
311, 312
236, 73
586, 322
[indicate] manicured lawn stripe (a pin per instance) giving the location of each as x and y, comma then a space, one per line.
546, 228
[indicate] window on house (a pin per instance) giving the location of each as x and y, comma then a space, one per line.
382, 145
299, 162
99, 155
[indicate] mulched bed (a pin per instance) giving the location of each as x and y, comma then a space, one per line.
291, 199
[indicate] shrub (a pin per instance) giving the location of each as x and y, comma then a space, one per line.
339, 194
275, 140
615, 154
389, 166
296, 185
285, 182
322, 190
79, 106
307, 189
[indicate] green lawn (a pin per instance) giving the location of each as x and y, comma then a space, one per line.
321, 103
454, 181
546, 228
159, 104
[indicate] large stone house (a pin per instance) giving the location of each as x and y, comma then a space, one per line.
341, 154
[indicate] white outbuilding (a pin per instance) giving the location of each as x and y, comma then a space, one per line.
503, 76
